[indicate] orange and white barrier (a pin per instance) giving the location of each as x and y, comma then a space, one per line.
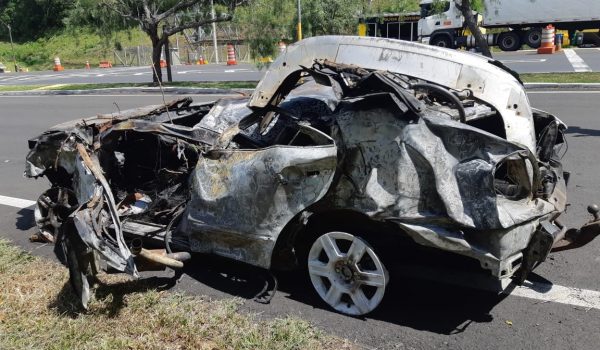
105, 64
231, 61
57, 66
547, 46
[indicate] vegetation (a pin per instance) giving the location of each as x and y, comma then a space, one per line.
267, 22
159, 19
80, 30
564, 78
33, 19
37, 311
74, 47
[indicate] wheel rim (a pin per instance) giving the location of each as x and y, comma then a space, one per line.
347, 273
508, 42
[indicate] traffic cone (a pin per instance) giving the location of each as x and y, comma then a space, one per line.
231, 61
87, 65
547, 46
57, 66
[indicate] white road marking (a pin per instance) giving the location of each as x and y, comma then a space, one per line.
540, 291
536, 60
577, 62
588, 299
544, 292
16, 202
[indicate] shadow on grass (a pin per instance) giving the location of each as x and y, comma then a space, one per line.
418, 303
111, 296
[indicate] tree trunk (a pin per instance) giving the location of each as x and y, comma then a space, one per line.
471, 21
156, 53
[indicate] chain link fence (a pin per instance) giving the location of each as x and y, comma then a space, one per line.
186, 54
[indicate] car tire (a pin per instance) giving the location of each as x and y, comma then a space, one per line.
509, 41
442, 41
533, 38
347, 273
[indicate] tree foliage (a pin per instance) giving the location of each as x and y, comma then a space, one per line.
31, 19
373, 7
159, 19
265, 22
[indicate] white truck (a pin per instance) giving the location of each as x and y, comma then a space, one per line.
521, 21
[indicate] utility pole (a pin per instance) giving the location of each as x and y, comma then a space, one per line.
12, 47
214, 31
299, 21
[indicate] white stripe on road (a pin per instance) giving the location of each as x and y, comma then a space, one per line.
540, 291
577, 62
16, 202
588, 299
537, 60
544, 292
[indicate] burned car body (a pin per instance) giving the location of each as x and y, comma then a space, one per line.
345, 141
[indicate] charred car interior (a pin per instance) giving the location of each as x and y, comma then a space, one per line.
345, 143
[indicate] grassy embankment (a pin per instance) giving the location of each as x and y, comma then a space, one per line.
37, 312
73, 47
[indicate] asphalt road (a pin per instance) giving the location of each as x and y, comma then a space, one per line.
418, 313
528, 61
210, 73
521, 61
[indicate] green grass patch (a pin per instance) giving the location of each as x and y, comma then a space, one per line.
19, 87
73, 47
63, 87
37, 311
591, 77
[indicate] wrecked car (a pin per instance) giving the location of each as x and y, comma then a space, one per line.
346, 145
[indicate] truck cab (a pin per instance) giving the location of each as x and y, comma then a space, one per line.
439, 26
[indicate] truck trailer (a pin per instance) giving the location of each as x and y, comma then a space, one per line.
513, 23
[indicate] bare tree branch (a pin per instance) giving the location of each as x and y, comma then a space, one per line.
119, 10
196, 24
183, 5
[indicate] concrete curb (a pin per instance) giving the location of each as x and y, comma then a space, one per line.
132, 90
562, 86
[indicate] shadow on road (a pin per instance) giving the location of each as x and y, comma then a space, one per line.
577, 131
25, 219
415, 303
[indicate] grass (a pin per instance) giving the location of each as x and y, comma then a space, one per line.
37, 311
62, 87
591, 77
73, 47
